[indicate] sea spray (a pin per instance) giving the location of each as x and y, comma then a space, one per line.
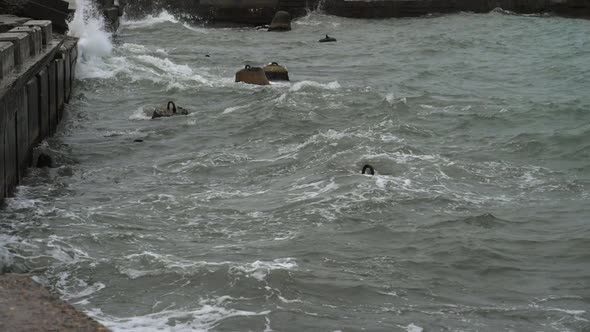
95, 43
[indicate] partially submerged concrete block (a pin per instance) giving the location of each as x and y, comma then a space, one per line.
21, 45
276, 72
252, 75
32, 88
35, 38
280, 22
46, 29
6, 58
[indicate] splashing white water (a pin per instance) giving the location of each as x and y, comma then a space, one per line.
88, 25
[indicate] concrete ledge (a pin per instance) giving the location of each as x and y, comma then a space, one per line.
6, 58
46, 30
27, 306
21, 45
35, 38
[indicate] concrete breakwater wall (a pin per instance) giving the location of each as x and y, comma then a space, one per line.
259, 12
36, 75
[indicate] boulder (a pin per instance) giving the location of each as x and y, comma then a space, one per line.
276, 72
280, 22
252, 75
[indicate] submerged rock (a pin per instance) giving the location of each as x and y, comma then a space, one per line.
165, 110
280, 22
252, 75
276, 72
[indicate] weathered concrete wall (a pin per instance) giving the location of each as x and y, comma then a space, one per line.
33, 92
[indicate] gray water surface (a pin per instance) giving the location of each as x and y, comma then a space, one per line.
251, 214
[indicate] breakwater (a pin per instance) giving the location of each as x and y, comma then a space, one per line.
259, 12
37, 72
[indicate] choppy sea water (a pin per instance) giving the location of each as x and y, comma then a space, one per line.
250, 214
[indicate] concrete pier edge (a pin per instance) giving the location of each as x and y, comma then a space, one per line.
37, 72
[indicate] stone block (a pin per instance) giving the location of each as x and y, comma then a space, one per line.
106, 3
43, 78
2, 148
35, 38
32, 88
8, 22
65, 55
46, 29
6, 58
51, 73
60, 86
10, 157
23, 149
20, 40
74, 53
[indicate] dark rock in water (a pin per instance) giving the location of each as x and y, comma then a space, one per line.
276, 72
280, 22
206, 55
327, 39
44, 160
252, 75
370, 168
138, 140
65, 171
165, 110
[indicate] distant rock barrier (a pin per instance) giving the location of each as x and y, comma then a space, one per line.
262, 12
37, 70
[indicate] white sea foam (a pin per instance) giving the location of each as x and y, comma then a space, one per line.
235, 108
88, 25
149, 20
414, 328
149, 263
200, 319
6, 258
312, 84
